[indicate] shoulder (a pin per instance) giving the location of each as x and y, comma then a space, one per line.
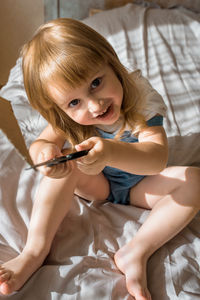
153, 101
143, 84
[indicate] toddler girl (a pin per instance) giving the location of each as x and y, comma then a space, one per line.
74, 78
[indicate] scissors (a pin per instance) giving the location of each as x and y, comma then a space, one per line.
59, 160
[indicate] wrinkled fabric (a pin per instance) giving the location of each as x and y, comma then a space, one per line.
165, 45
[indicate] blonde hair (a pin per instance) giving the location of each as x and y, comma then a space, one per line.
69, 51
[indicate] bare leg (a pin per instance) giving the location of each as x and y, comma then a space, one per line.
50, 207
173, 196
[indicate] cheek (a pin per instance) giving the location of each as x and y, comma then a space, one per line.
117, 93
116, 90
120, 93
77, 116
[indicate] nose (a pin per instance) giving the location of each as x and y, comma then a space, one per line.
95, 105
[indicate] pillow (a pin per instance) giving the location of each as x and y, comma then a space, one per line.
30, 121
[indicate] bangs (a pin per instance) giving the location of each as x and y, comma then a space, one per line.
72, 68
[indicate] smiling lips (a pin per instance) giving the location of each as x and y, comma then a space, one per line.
103, 113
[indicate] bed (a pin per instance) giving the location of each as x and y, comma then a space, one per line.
164, 42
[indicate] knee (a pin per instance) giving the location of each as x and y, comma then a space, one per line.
187, 175
192, 179
192, 175
92, 187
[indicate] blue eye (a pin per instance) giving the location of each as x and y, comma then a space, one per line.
74, 102
95, 83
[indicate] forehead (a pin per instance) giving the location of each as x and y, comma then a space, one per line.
73, 70
61, 92
71, 79
62, 89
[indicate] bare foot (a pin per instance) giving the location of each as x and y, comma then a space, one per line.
132, 263
15, 272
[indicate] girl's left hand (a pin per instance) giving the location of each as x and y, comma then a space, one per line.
98, 156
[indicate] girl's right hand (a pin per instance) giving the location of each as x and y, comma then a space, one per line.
49, 151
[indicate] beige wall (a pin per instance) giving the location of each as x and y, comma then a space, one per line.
18, 21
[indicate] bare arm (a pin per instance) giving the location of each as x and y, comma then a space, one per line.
147, 157
47, 146
48, 136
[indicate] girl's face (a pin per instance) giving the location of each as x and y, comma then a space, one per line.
95, 102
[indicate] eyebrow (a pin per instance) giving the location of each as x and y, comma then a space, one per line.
91, 78
62, 98
95, 74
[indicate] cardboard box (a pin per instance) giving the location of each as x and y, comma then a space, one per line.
10, 127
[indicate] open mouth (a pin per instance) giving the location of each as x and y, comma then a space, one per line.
105, 113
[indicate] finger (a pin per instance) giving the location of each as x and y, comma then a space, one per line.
89, 159
44, 156
55, 171
51, 153
45, 170
85, 145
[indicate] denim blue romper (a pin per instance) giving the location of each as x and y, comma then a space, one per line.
120, 181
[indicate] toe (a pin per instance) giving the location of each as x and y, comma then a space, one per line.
5, 289
4, 276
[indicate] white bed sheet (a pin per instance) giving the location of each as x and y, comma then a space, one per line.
165, 45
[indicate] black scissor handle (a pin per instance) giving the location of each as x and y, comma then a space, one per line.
61, 159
